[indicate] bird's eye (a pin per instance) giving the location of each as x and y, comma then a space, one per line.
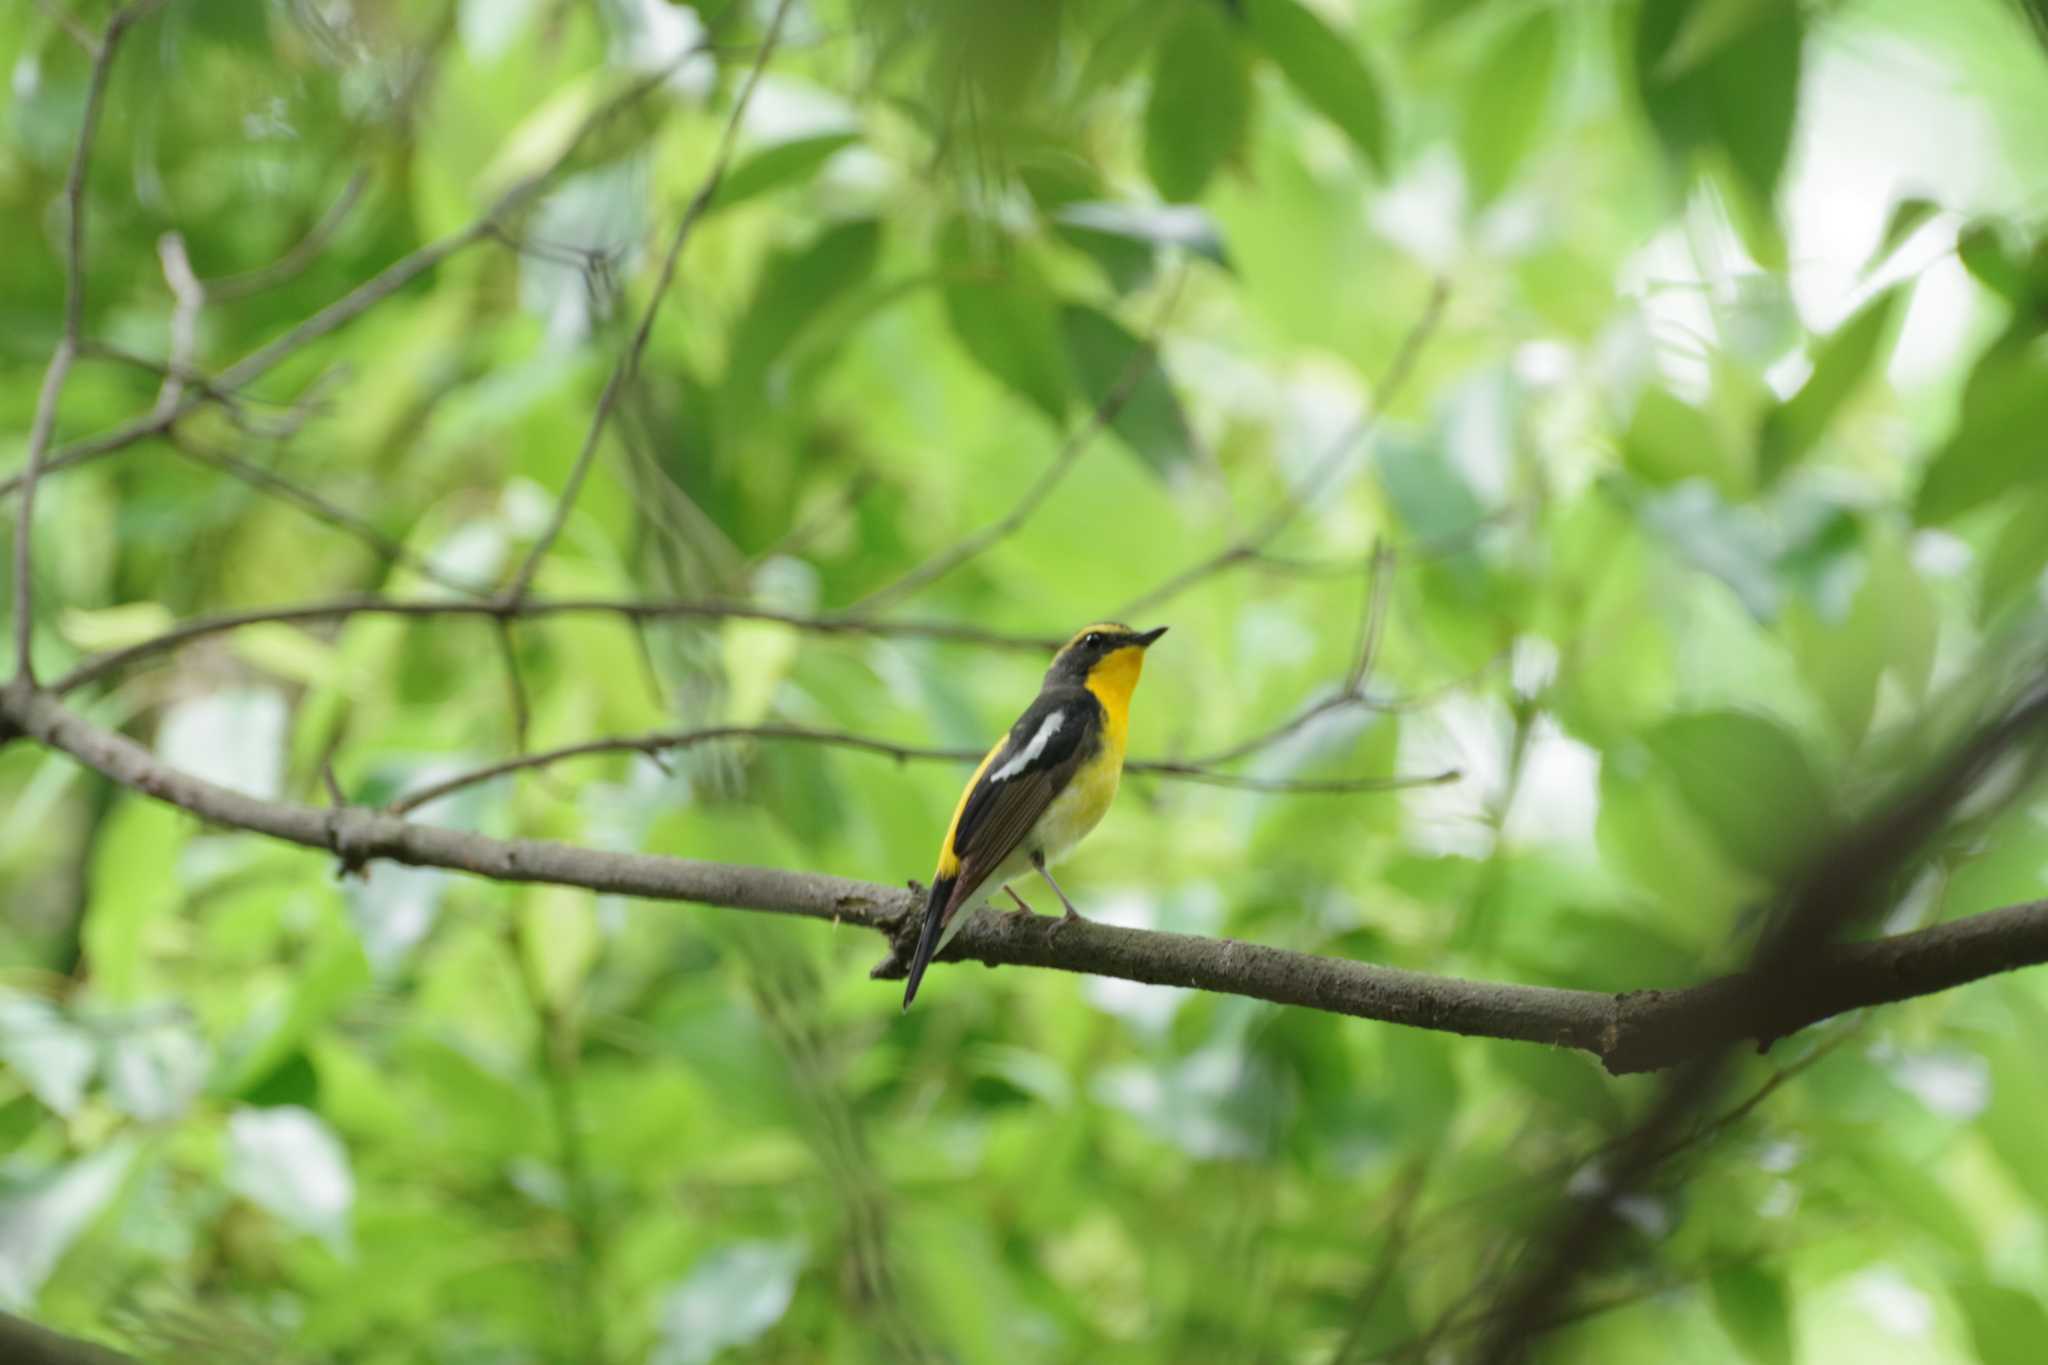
1092, 638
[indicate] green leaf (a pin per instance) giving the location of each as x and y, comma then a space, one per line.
1507, 101
731, 1297
1156, 225
2001, 441
1125, 239
1741, 99
2007, 1327
1986, 254
2018, 555
288, 1162
1839, 366
1707, 28
48, 1209
773, 168
794, 287
1669, 441
1749, 781
1755, 1312
1754, 93
1200, 105
1111, 361
1325, 71
46, 1051
1906, 218
1004, 317
1569, 1082
132, 887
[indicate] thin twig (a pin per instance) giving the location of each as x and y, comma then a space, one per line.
301, 254
320, 508
74, 28
1351, 693
629, 363
1076, 444
190, 298
66, 352
515, 684
669, 741
1246, 547
632, 609
350, 306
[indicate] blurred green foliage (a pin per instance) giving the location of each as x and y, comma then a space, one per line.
1725, 455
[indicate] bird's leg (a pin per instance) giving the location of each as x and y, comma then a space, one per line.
1012, 892
1073, 915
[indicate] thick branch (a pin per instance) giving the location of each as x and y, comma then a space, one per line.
24, 1343
1636, 1031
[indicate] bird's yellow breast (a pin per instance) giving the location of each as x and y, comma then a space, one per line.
1112, 681
1082, 805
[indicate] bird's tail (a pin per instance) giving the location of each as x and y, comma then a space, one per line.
928, 937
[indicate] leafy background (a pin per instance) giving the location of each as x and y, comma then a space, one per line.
1722, 456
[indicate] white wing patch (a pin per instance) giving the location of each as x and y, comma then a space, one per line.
1028, 755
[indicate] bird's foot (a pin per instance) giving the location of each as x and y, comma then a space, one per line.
1021, 905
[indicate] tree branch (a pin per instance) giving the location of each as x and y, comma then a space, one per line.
24, 1343
629, 362
667, 741
302, 253
351, 305
1795, 970
1635, 1031
1070, 451
44, 424
1247, 547
632, 609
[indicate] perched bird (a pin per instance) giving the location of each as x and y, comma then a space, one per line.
1043, 786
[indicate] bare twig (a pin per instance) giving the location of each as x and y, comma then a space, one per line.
1070, 451
1246, 547
1635, 1031
73, 27
24, 1343
629, 363
668, 741
320, 508
631, 609
66, 352
190, 297
350, 306
302, 253
515, 684
1351, 693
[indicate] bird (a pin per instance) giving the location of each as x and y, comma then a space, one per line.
1042, 787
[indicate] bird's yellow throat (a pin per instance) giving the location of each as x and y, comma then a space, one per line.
1112, 680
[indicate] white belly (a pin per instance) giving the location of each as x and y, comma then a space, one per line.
1072, 814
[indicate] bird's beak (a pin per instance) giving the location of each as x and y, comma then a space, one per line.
1145, 640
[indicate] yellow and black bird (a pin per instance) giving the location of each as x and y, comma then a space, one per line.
1043, 786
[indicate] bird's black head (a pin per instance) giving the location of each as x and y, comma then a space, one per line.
1100, 643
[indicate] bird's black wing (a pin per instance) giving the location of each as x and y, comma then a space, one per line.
1049, 742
